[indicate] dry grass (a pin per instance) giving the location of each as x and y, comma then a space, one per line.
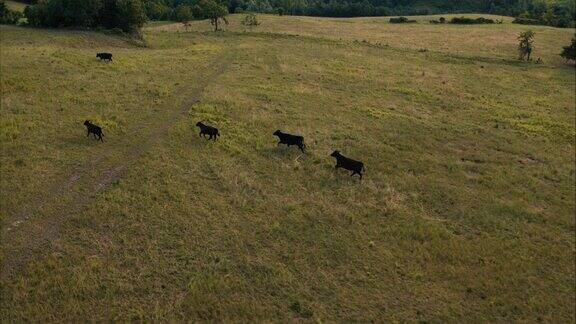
465, 214
15, 5
480, 41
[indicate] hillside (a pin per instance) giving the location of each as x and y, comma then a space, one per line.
14, 5
465, 213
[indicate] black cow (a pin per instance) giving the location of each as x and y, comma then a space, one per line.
104, 56
94, 130
352, 165
290, 139
208, 130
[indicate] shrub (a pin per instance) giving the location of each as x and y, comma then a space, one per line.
442, 20
527, 21
471, 21
8, 16
401, 20
569, 52
250, 20
525, 44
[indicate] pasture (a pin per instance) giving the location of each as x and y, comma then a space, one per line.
465, 212
14, 5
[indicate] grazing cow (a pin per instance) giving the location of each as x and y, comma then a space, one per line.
94, 130
351, 165
208, 130
104, 56
290, 139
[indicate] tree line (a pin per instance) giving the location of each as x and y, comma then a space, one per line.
130, 14
121, 15
560, 13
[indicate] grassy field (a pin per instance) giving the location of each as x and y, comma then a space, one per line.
476, 42
465, 213
14, 5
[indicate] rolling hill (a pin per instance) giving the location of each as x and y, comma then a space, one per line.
465, 213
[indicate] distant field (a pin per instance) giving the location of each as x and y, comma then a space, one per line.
465, 214
14, 5
480, 41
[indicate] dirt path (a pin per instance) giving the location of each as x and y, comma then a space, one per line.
31, 230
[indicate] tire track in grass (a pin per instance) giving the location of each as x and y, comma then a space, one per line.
30, 232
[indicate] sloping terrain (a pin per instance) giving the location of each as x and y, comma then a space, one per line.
465, 211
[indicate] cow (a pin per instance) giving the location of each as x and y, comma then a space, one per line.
346, 163
290, 139
94, 130
104, 56
208, 130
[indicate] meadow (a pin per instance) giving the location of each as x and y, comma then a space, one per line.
17, 6
465, 213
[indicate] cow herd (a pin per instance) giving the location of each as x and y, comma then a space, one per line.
213, 133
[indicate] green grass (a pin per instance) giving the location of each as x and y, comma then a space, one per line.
466, 211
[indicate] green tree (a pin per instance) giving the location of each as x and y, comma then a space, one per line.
526, 44
197, 12
157, 11
124, 14
183, 13
214, 11
569, 52
131, 14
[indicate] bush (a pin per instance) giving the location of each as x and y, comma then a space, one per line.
526, 44
527, 21
569, 52
442, 20
401, 20
471, 21
8, 16
250, 20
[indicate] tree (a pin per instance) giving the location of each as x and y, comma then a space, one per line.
183, 13
131, 14
157, 11
124, 14
214, 11
526, 44
250, 20
569, 52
